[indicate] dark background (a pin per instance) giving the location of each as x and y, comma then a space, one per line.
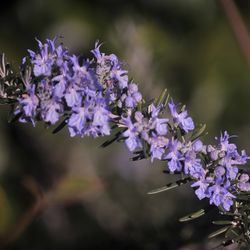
58, 192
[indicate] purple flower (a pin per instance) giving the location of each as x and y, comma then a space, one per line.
244, 184
59, 89
83, 77
232, 172
96, 52
29, 102
197, 146
213, 152
202, 184
129, 102
132, 88
228, 156
101, 120
181, 119
242, 159
61, 54
224, 142
192, 165
51, 112
158, 145
131, 134
219, 171
159, 124
109, 70
134, 93
219, 195
137, 97
77, 121
43, 61
117, 73
244, 178
60, 82
174, 157
120, 76
227, 201
131, 97
72, 97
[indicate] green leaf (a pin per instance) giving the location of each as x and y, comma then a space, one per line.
2, 66
234, 232
139, 156
170, 186
60, 126
13, 117
222, 222
161, 98
198, 132
193, 216
183, 108
218, 232
243, 197
139, 106
166, 101
108, 142
7, 101
115, 137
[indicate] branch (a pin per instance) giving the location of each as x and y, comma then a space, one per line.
238, 26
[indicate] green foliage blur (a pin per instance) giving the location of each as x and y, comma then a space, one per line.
58, 192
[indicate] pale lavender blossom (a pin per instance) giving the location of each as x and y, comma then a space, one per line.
159, 124
202, 183
158, 145
109, 69
244, 184
29, 102
219, 195
28, 105
51, 112
192, 165
181, 119
129, 102
101, 118
174, 157
44, 60
131, 134
73, 97
198, 146
77, 121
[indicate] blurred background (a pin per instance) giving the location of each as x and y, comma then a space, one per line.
58, 192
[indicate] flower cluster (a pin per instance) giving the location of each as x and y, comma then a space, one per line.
218, 181
146, 127
182, 119
82, 91
119, 91
213, 169
183, 157
92, 96
243, 183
